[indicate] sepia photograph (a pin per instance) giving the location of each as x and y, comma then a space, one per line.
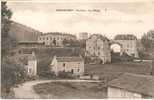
77, 49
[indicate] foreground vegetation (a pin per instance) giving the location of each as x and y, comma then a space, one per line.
71, 90
108, 72
12, 73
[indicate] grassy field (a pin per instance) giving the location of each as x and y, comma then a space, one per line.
71, 90
85, 90
111, 71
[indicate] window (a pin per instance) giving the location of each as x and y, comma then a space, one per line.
78, 70
30, 70
72, 71
63, 64
98, 48
50, 38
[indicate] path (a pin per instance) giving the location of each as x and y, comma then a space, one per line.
26, 89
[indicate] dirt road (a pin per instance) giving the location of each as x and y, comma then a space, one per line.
26, 89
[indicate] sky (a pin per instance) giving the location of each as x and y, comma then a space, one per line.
104, 17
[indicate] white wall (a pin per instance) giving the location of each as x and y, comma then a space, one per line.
53, 66
121, 93
71, 65
32, 67
58, 66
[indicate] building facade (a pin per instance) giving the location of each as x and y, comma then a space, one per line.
75, 65
31, 64
83, 36
129, 44
27, 60
55, 39
132, 86
97, 46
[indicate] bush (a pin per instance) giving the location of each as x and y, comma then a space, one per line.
29, 78
65, 75
48, 74
124, 58
12, 74
87, 60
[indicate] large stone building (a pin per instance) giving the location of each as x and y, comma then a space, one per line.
129, 44
131, 86
55, 39
75, 65
97, 46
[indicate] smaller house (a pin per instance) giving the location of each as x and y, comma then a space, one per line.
30, 63
131, 86
75, 65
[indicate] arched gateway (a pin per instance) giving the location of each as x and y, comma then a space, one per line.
116, 46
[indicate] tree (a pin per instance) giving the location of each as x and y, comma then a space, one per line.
5, 16
148, 40
11, 72
6, 41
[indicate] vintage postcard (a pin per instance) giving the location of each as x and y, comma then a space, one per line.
77, 49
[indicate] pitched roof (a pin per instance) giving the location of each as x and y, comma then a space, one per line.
58, 33
125, 37
143, 84
69, 59
99, 36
